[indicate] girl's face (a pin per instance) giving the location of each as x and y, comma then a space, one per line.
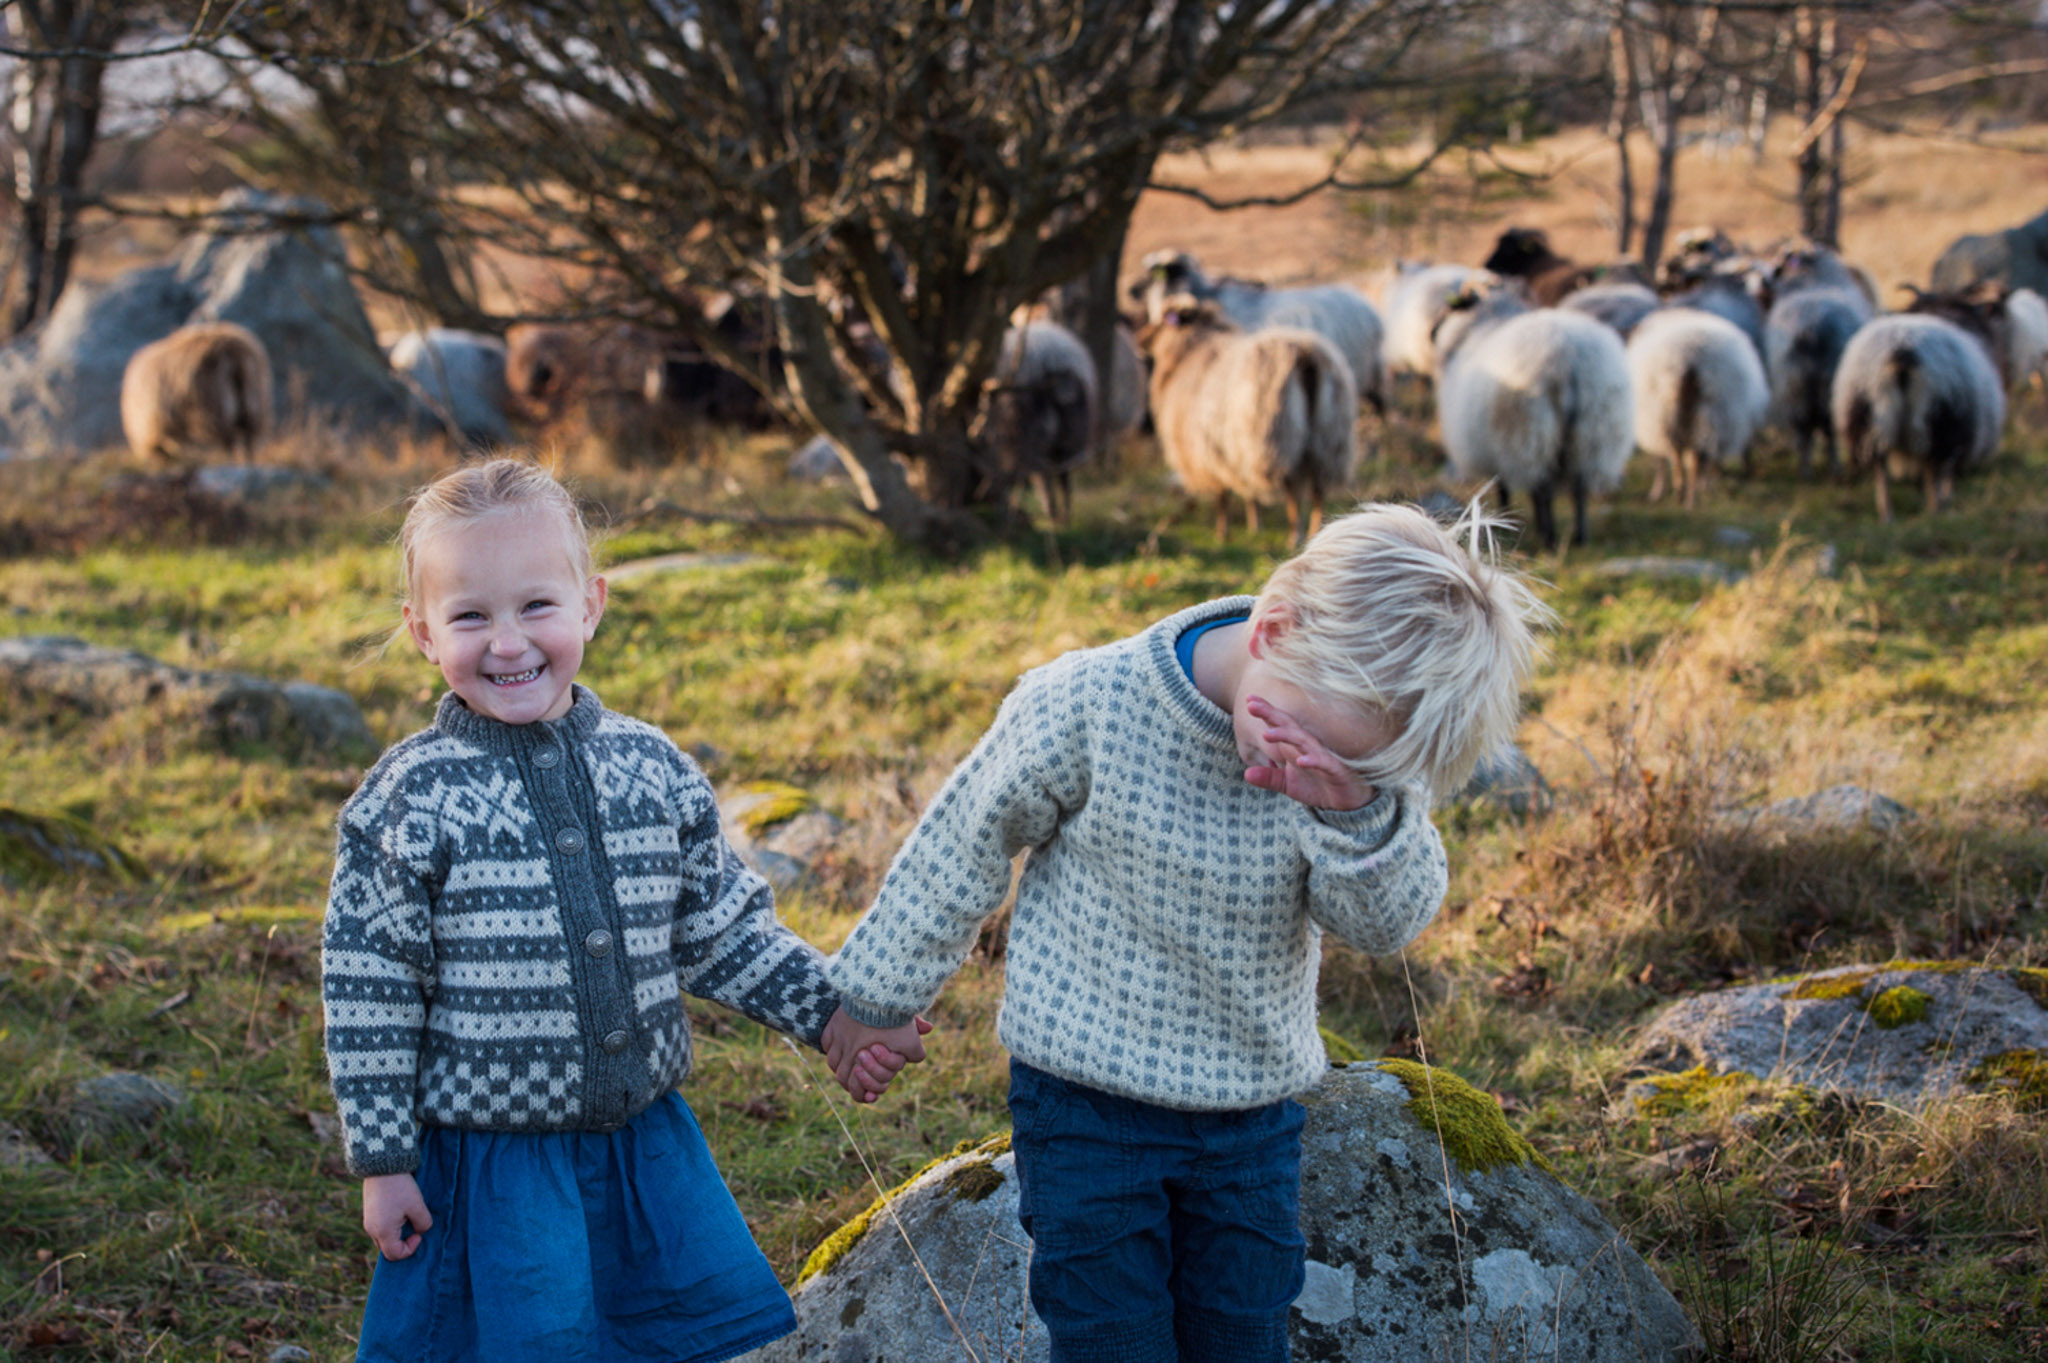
500, 607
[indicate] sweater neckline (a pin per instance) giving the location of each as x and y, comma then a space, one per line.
457, 720
1193, 709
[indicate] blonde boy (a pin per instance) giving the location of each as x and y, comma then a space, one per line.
1201, 802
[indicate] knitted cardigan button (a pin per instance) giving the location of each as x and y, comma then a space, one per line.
570, 840
598, 942
547, 757
615, 1042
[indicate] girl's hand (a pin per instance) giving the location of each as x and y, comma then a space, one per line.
389, 1201
1300, 767
866, 1059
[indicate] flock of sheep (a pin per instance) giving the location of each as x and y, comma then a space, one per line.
1548, 376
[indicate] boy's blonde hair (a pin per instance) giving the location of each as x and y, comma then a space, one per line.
1416, 620
475, 490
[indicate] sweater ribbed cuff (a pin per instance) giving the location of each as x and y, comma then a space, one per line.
1371, 821
873, 1015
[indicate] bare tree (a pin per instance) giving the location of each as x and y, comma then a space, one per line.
893, 176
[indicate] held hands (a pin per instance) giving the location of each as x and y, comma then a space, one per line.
1298, 766
865, 1059
390, 1200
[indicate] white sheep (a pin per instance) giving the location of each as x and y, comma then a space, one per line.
1621, 305
1039, 412
203, 387
1336, 312
1804, 335
1257, 413
460, 375
1700, 394
1414, 300
1535, 399
2026, 356
1917, 393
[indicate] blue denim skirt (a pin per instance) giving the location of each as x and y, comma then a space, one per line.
576, 1247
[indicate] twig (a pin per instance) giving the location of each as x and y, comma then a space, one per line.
177, 1000
653, 507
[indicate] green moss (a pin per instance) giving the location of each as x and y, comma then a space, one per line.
1849, 986
2024, 1074
781, 802
971, 1182
1897, 1006
1473, 1129
1673, 1094
2034, 981
1341, 1051
38, 848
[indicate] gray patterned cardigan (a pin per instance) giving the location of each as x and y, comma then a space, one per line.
1167, 930
514, 913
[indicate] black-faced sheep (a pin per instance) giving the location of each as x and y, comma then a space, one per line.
461, 376
1524, 253
1038, 412
1414, 300
1700, 395
1804, 335
1336, 312
1917, 394
1622, 306
203, 387
1536, 399
1259, 413
2012, 324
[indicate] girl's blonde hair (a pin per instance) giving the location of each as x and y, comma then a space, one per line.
478, 490
1415, 620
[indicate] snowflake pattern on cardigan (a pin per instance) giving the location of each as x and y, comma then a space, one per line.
515, 913
1167, 930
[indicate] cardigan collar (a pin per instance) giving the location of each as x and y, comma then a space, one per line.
457, 720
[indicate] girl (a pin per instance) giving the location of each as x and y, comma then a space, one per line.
521, 894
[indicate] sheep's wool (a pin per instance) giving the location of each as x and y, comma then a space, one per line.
1167, 928
514, 911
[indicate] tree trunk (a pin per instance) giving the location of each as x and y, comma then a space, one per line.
1831, 205
1812, 37
54, 107
1658, 223
1624, 69
1087, 306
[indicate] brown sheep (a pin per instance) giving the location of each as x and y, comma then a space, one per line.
203, 387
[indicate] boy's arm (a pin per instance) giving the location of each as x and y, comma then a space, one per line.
376, 972
730, 946
1376, 875
1028, 772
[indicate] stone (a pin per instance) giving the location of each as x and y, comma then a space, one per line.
1660, 566
242, 484
779, 830
290, 1353
1528, 1270
1441, 505
1905, 1032
1840, 808
17, 1151
110, 1102
227, 706
680, 562
1734, 537
1509, 779
817, 462
60, 385
36, 848
460, 377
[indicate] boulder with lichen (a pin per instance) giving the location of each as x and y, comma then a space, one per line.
1433, 1229
1908, 1032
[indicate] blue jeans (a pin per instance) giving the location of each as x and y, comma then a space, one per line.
1158, 1236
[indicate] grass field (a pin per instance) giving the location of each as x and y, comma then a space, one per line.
1905, 658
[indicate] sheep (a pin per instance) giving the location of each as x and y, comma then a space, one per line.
1700, 394
1917, 392
1414, 299
1620, 305
1535, 399
1259, 413
460, 375
1039, 412
549, 367
1338, 313
1804, 335
1726, 294
2012, 324
1524, 253
1124, 407
202, 387
1813, 266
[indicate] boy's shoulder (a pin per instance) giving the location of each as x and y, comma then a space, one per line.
429, 755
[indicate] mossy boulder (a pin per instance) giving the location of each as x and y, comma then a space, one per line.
1522, 1268
36, 848
778, 829
1907, 1032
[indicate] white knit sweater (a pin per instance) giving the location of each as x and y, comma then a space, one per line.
1167, 930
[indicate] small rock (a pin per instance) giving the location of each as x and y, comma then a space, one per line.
816, 462
1441, 505
290, 1353
121, 1099
326, 1128
1509, 779
328, 718
807, 837
779, 869
707, 754
1838, 807
1659, 566
1734, 537
17, 1151
40, 847
669, 563
240, 484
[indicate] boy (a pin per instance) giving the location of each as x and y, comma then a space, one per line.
1201, 800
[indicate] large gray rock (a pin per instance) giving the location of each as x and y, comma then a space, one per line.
2017, 256
1527, 1270
1509, 779
111, 1102
228, 706
1836, 809
779, 830
60, 385
460, 375
1905, 1032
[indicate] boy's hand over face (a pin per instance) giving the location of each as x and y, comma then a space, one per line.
866, 1059
1298, 766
